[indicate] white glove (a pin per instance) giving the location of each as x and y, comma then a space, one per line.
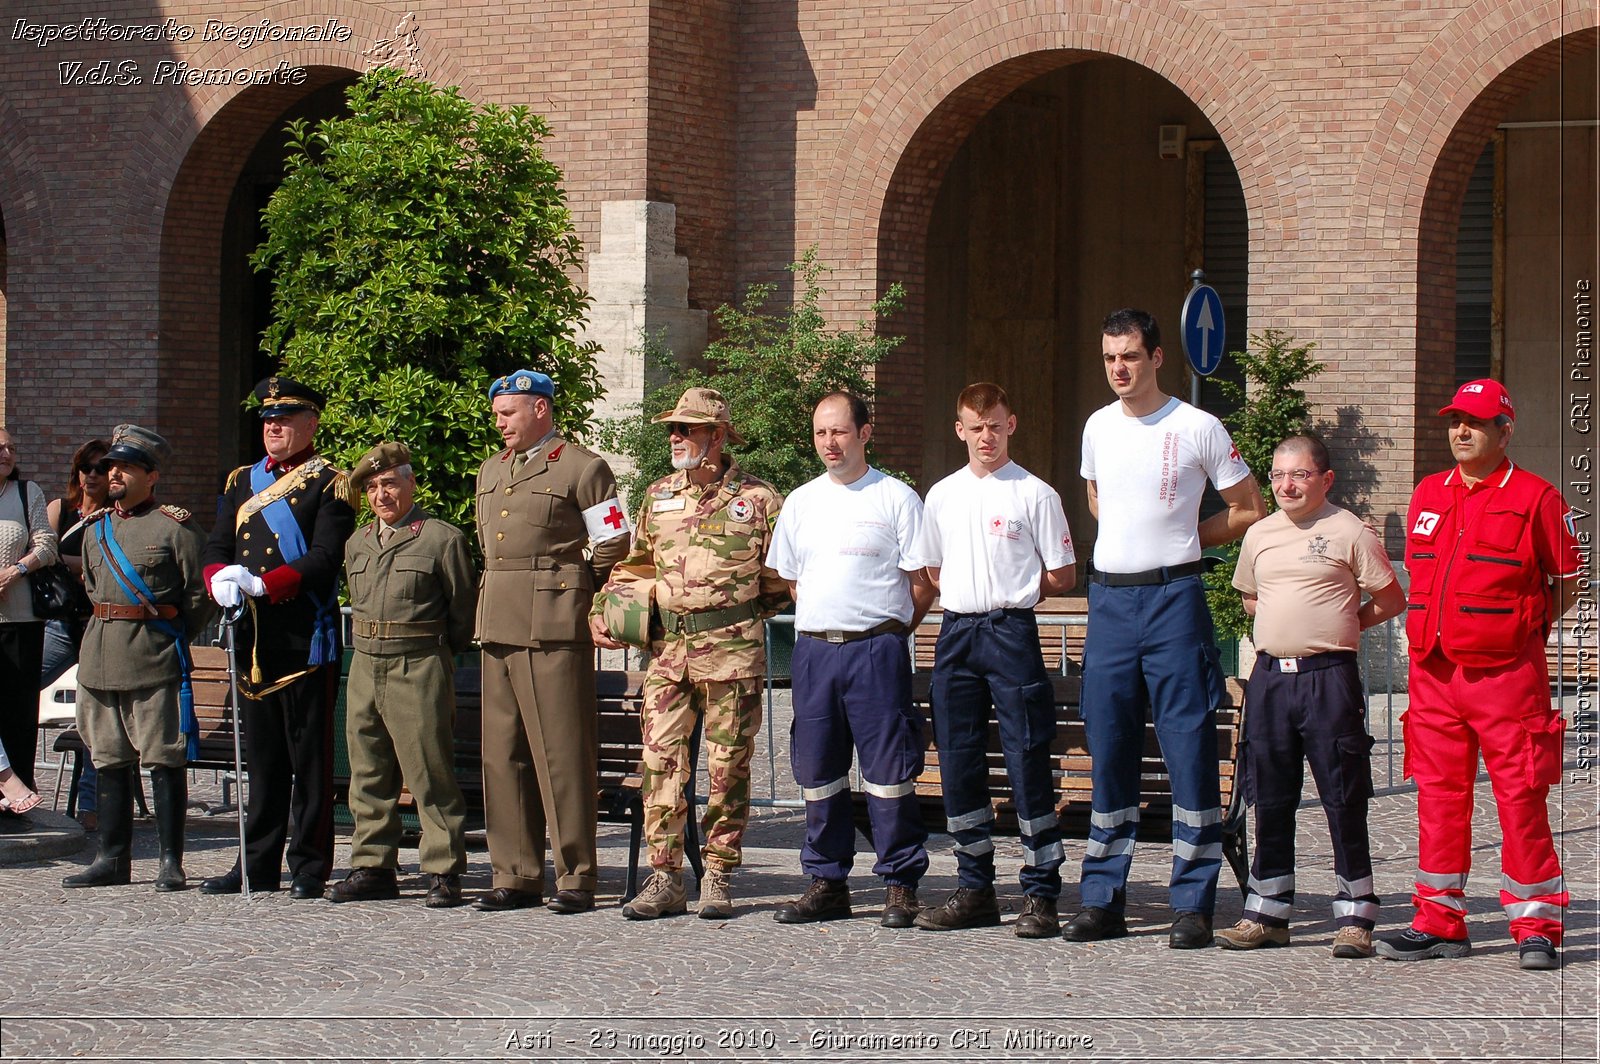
250, 583
224, 590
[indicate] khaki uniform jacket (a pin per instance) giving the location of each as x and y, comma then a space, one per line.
537, 582
420, 587
698, 549
163, 545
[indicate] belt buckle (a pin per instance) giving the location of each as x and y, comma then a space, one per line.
833, 635
1288, 664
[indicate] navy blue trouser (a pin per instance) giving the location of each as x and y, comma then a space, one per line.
1317, 714
857, 695
1152, 646
986, 660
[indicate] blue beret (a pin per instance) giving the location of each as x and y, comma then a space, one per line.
523, 382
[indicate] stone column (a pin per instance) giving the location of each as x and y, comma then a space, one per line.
638, 284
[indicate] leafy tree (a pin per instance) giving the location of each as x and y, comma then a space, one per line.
772, 368
420, 247
1271, 408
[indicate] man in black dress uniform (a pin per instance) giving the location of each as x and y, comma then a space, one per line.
277, 547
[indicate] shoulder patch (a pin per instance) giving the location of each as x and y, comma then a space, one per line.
177, 513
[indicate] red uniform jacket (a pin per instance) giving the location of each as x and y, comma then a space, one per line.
1480, 564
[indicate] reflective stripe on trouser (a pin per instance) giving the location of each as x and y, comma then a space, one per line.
731, 718
1317, 717
984, 661
857, 695
1152, 646
1455, 713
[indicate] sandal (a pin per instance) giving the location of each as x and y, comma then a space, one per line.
19, 798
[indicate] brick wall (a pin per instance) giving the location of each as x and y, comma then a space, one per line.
772, 125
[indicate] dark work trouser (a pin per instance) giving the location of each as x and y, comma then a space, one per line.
1316, 714
986, 660
1152, 646
857, 695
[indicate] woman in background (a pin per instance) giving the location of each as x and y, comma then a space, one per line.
86, 493
27, 544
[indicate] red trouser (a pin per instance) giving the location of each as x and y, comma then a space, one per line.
1505, 711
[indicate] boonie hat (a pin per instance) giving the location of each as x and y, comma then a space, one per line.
1482, 399
701, 406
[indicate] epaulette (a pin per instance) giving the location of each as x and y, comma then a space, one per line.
344, 489
233, 477
94, 515
177, 513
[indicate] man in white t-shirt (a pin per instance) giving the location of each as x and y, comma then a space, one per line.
996, 541
1302, 572
846, 543
1146, 458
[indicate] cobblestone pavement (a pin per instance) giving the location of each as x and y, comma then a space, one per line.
125, 973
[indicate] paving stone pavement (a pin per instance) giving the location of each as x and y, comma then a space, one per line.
127, 974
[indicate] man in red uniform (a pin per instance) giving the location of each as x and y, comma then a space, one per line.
1493, 561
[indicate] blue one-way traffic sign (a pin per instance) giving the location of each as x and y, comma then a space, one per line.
1203, 333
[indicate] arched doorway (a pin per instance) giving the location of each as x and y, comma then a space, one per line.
1525, 249
213, 306
1045, 193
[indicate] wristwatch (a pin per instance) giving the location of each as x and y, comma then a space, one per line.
21, 568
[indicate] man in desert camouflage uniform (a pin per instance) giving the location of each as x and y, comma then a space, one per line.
700, 556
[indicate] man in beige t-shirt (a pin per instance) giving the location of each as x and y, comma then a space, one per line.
1302, 572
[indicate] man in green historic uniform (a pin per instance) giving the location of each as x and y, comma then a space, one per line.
700, 557
541, 502
413, 591
141, 565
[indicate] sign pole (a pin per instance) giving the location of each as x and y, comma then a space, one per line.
1196, 279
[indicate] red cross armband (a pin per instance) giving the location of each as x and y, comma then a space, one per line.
606, 520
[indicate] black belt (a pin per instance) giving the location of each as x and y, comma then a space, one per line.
1328, 659
1164, 575
835, 635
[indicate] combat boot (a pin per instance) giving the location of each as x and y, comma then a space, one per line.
169, 788
113, 866
663, 895
715, 903
967, 907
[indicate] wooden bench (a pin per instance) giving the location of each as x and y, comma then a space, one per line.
1071, 767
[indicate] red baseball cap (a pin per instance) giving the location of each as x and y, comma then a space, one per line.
1484, 399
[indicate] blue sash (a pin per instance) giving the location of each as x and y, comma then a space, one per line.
279, 517
139, 592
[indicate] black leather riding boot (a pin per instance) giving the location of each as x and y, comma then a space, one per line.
170, 789
113, 865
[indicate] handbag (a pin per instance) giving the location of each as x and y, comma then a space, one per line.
58, 595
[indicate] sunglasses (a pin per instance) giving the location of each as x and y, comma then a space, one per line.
90, 467
681, 428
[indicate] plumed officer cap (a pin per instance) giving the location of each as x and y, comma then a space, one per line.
385, 456
281, 397
702, 406
138, 446
523, 382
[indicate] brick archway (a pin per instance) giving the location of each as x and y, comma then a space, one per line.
197, 145
893, 154
1413, 176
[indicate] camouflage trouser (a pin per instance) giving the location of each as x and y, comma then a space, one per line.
732, 715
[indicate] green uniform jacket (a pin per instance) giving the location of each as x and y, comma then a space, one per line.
163, 544
533, 525
420, 587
